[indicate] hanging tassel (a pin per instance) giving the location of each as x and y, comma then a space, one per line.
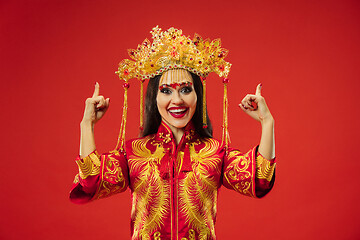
204, 103
225, 133
141, 106
120, 146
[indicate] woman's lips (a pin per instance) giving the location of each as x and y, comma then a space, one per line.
178, 112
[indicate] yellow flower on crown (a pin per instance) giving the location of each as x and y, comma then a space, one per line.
172, 50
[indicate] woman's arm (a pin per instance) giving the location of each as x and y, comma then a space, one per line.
267, 141
261, 113
95, 108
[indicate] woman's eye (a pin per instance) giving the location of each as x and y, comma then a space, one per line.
186, 90
165, 90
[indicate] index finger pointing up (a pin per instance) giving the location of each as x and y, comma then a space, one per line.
258, 89
97, 90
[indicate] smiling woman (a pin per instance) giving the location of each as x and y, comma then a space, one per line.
176, 168
176, 100
153, 117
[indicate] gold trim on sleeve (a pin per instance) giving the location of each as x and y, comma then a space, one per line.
90, 165
264, 168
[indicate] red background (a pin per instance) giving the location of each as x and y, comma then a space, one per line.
306, 54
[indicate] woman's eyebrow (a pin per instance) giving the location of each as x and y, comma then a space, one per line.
186, 84
174, 85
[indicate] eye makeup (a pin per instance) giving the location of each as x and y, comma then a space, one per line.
175, 85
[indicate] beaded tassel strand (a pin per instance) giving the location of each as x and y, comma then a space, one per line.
225, 134
204, 103
121, 140
141, 105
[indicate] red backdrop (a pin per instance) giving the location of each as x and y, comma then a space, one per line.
306, 54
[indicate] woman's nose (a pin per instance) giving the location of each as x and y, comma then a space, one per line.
177, 99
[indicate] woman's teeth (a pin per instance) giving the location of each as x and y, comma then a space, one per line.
177, 110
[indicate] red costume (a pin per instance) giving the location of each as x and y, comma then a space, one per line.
174, 187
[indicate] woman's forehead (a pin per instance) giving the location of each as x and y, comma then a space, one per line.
175, 76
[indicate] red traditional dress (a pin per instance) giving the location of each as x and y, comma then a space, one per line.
174, 187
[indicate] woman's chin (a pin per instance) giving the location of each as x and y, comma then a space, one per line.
179, 124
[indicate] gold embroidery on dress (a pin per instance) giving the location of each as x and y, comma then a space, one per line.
198, 191
166, 138
151, 194
76, 180
106, 189
191, 235
89, 166
264, 169
180, 160
113, 171
111, 177
157, 236
239, 172
190, 135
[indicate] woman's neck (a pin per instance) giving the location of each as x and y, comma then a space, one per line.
177, 132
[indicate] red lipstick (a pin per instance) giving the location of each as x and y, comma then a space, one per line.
178, 112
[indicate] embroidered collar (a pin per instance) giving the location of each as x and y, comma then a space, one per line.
165, 134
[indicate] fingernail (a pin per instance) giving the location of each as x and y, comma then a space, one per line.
260, 84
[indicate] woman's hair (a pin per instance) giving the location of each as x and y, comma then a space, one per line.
153, 117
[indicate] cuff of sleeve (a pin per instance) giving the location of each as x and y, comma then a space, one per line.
258, 155
264, 168
89, 165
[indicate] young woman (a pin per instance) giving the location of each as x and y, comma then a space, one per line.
175, 170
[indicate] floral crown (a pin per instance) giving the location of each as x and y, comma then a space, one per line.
172, 50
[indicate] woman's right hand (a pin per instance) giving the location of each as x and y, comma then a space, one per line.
95, 107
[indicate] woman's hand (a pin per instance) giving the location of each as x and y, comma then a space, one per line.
95, 107
255, 106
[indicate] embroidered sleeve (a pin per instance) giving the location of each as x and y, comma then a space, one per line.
99, 176
249, 174
264, 176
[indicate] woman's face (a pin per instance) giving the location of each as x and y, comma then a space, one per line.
176, 98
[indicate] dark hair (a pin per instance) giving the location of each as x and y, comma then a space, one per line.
153, 117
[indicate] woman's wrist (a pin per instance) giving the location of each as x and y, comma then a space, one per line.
268, 120
86, 124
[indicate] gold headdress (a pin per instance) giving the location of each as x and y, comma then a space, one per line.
172, 50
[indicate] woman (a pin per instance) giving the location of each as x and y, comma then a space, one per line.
175, 170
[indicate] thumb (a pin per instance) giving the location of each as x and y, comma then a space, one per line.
107, 102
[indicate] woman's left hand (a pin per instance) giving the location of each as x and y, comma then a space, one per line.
255, 106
